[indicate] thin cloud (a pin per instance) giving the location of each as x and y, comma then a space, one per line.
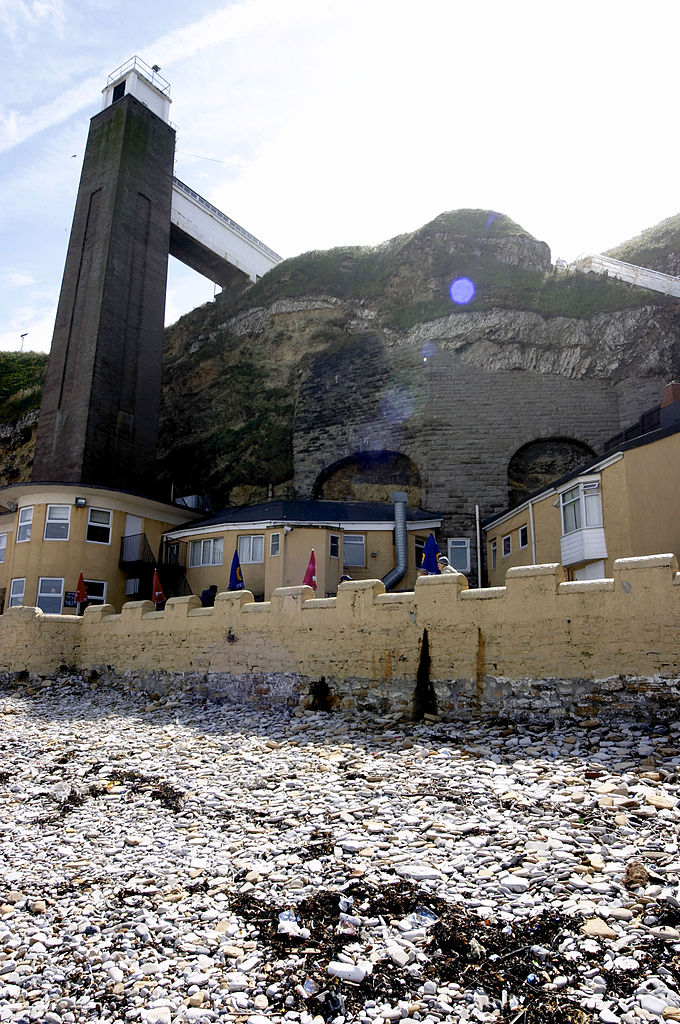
17, 278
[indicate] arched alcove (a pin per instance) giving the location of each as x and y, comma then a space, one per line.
370, 476
539, 463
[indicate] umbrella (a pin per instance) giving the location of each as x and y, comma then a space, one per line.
157, 592
81, 591
236, 576
430, 553
310, 575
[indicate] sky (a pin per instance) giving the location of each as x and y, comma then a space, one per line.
316, 124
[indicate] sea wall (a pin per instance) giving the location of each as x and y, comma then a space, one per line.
537, 645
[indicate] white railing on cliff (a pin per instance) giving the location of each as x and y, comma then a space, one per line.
640, 276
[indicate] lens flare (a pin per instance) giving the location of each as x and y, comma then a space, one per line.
396, 405
427, 351
462, 290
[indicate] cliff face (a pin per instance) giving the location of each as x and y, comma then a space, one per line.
362, 350
351, 373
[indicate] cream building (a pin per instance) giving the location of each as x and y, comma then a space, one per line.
624, 505
275, 539
50, 533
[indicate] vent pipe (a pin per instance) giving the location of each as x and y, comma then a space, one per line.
397, 574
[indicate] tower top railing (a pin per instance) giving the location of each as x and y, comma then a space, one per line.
142, 68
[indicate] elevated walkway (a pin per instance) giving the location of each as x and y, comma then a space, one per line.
210, 242
640, 276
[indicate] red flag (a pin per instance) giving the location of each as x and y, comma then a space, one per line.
81, 591
310, 575
157, 592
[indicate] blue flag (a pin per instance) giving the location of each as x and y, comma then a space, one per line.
236, 576
430, 553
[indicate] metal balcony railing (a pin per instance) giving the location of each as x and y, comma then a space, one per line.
136, 548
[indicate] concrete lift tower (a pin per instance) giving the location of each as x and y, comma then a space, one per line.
99, 416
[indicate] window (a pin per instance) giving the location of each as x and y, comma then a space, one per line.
16, 592
459, 553
354, 549
251, 548
96, 591
494, 553
206, 552
131, 587
50, 594
581, 507
420, 551
334, 546
98, 526
274, 544
3, 546
25, 521
506, 545
57, 522
524, 536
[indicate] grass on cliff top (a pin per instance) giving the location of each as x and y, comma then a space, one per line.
653, 247
21, 382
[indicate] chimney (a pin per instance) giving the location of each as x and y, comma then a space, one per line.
670, 404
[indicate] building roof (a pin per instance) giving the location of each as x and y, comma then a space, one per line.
308, 512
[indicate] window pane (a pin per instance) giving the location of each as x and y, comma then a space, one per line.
593, 508
218, 548
25, 520
353, 549
50, 591
57, 522
16, 593
244, 549
3, 545
96, 591
258, 549
459, 553
195, 552
334, 547
274, 544
98, 526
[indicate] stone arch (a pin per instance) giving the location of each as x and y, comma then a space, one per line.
539, 463
370, 476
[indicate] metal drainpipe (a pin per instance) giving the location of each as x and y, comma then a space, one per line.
395, 575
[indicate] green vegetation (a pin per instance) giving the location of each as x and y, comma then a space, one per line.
21, 381
657, 248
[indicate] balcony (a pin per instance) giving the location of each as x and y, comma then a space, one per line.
135, 550
585, 545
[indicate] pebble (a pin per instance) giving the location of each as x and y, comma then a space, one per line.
136, 828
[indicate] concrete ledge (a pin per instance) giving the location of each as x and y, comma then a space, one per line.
585, 586
483, 594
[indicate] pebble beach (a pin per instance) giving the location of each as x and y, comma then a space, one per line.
167, 859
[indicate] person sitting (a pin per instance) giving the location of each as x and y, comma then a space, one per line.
208, 596
444, 565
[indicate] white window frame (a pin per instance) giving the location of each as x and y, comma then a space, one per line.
49, 596
3, 546
334, 542
274, 545
16, 593
506, 549
57, 522
494, 553
459, 544
95, 599
24, 524
99, 526
525, 542
584, 500
357, 540
251, 549
206, 551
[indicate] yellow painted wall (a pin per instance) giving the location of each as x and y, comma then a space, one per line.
536, 627
653, 487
